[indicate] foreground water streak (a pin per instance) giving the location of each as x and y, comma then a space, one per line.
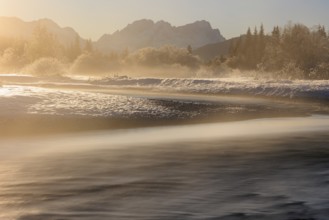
266, 170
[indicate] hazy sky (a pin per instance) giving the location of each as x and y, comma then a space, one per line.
92, 18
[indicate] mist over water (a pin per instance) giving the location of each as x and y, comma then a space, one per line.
146, 148
279, 176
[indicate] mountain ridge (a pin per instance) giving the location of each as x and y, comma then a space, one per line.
13, 27
147, 33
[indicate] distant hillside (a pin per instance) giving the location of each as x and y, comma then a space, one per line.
146, 33
12, 27
211, 51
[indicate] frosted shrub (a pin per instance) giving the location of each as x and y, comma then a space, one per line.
291, 71
89, 63
46, 67
10, 61
320, 72
164, 56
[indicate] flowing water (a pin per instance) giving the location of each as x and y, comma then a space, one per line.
260, 168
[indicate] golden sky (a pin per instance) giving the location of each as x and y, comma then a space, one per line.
93, 18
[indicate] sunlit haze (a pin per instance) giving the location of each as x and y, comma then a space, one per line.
93, 18
164, 109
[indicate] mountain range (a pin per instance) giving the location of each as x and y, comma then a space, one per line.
137, 35
147, 33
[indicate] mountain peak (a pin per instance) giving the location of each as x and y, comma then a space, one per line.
162, 23
47, 22
142, 22
203, 23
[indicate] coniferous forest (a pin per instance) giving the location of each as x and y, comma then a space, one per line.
294, 51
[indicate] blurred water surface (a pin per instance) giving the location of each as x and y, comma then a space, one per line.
256, 174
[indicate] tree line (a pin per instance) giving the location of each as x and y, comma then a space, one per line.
292, 51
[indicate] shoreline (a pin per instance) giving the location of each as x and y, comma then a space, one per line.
266, 89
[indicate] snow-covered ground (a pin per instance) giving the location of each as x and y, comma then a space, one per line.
318, 89
125, 97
